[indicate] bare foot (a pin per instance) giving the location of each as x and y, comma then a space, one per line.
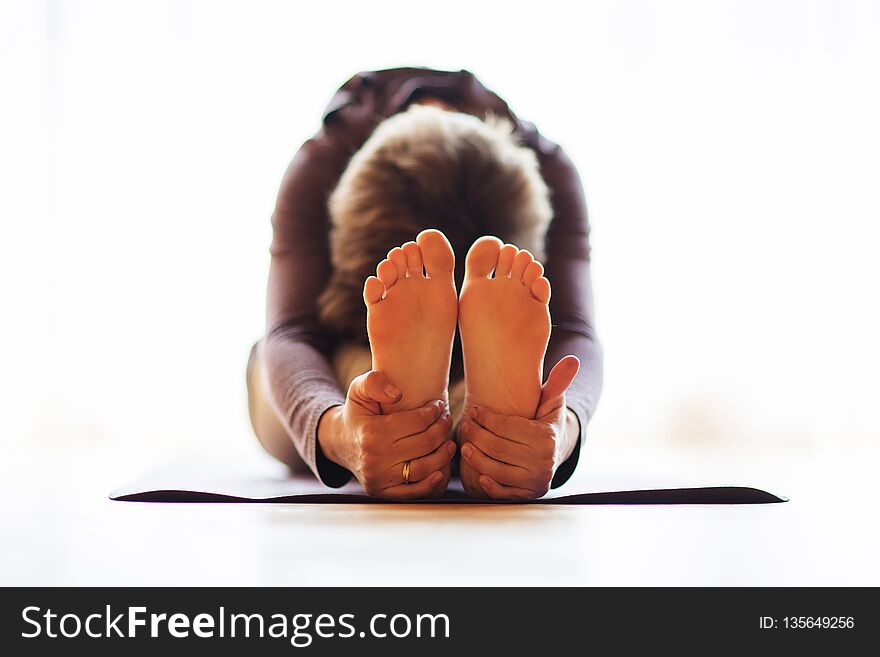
411, 313
505, 325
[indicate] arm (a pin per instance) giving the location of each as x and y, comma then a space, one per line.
301, 382
522, 458
336, 434
567, 266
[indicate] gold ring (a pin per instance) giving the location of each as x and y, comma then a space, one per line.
406, 472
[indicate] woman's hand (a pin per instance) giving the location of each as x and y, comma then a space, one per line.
517, 457
375, 447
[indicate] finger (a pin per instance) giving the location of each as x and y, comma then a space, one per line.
374, 386
510, 475
500, 449
420, 467
558, 381
424, 466
416, 446
422, 488
498, 491
512, 427
401, 424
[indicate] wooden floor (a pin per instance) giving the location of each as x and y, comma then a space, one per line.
59, 528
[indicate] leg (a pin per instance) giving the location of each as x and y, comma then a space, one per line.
268, 428
456, 400
505, 326
412, 309
350, 361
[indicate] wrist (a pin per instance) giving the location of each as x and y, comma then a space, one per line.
571, 432
328, 432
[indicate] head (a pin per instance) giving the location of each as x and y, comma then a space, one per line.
428, 167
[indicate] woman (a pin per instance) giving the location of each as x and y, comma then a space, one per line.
408, 152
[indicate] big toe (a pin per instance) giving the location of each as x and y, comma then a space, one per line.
482, 257
437, 254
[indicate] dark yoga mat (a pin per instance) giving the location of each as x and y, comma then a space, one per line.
202, 482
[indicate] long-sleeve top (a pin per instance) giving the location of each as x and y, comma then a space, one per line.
297, 348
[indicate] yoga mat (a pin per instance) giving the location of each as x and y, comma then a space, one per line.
213, 482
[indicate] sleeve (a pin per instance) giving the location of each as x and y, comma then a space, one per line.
297, 348
567, 266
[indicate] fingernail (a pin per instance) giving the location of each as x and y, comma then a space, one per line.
466, 451
464, 428
436, 477
475, 410
450, 447
392, 391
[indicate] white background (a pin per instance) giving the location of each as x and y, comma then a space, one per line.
729, 152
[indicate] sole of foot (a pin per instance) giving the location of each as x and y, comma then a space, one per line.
411, 315
504, 321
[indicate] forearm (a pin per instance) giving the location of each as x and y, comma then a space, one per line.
303, 388
567, 266
570, 435
581, 397
328, 431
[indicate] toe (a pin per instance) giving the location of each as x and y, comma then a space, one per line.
505, 261
387, 273
373, 290
482, 257
541, 290
413, 259
437, 253
398, 257
534, 271
522, 260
